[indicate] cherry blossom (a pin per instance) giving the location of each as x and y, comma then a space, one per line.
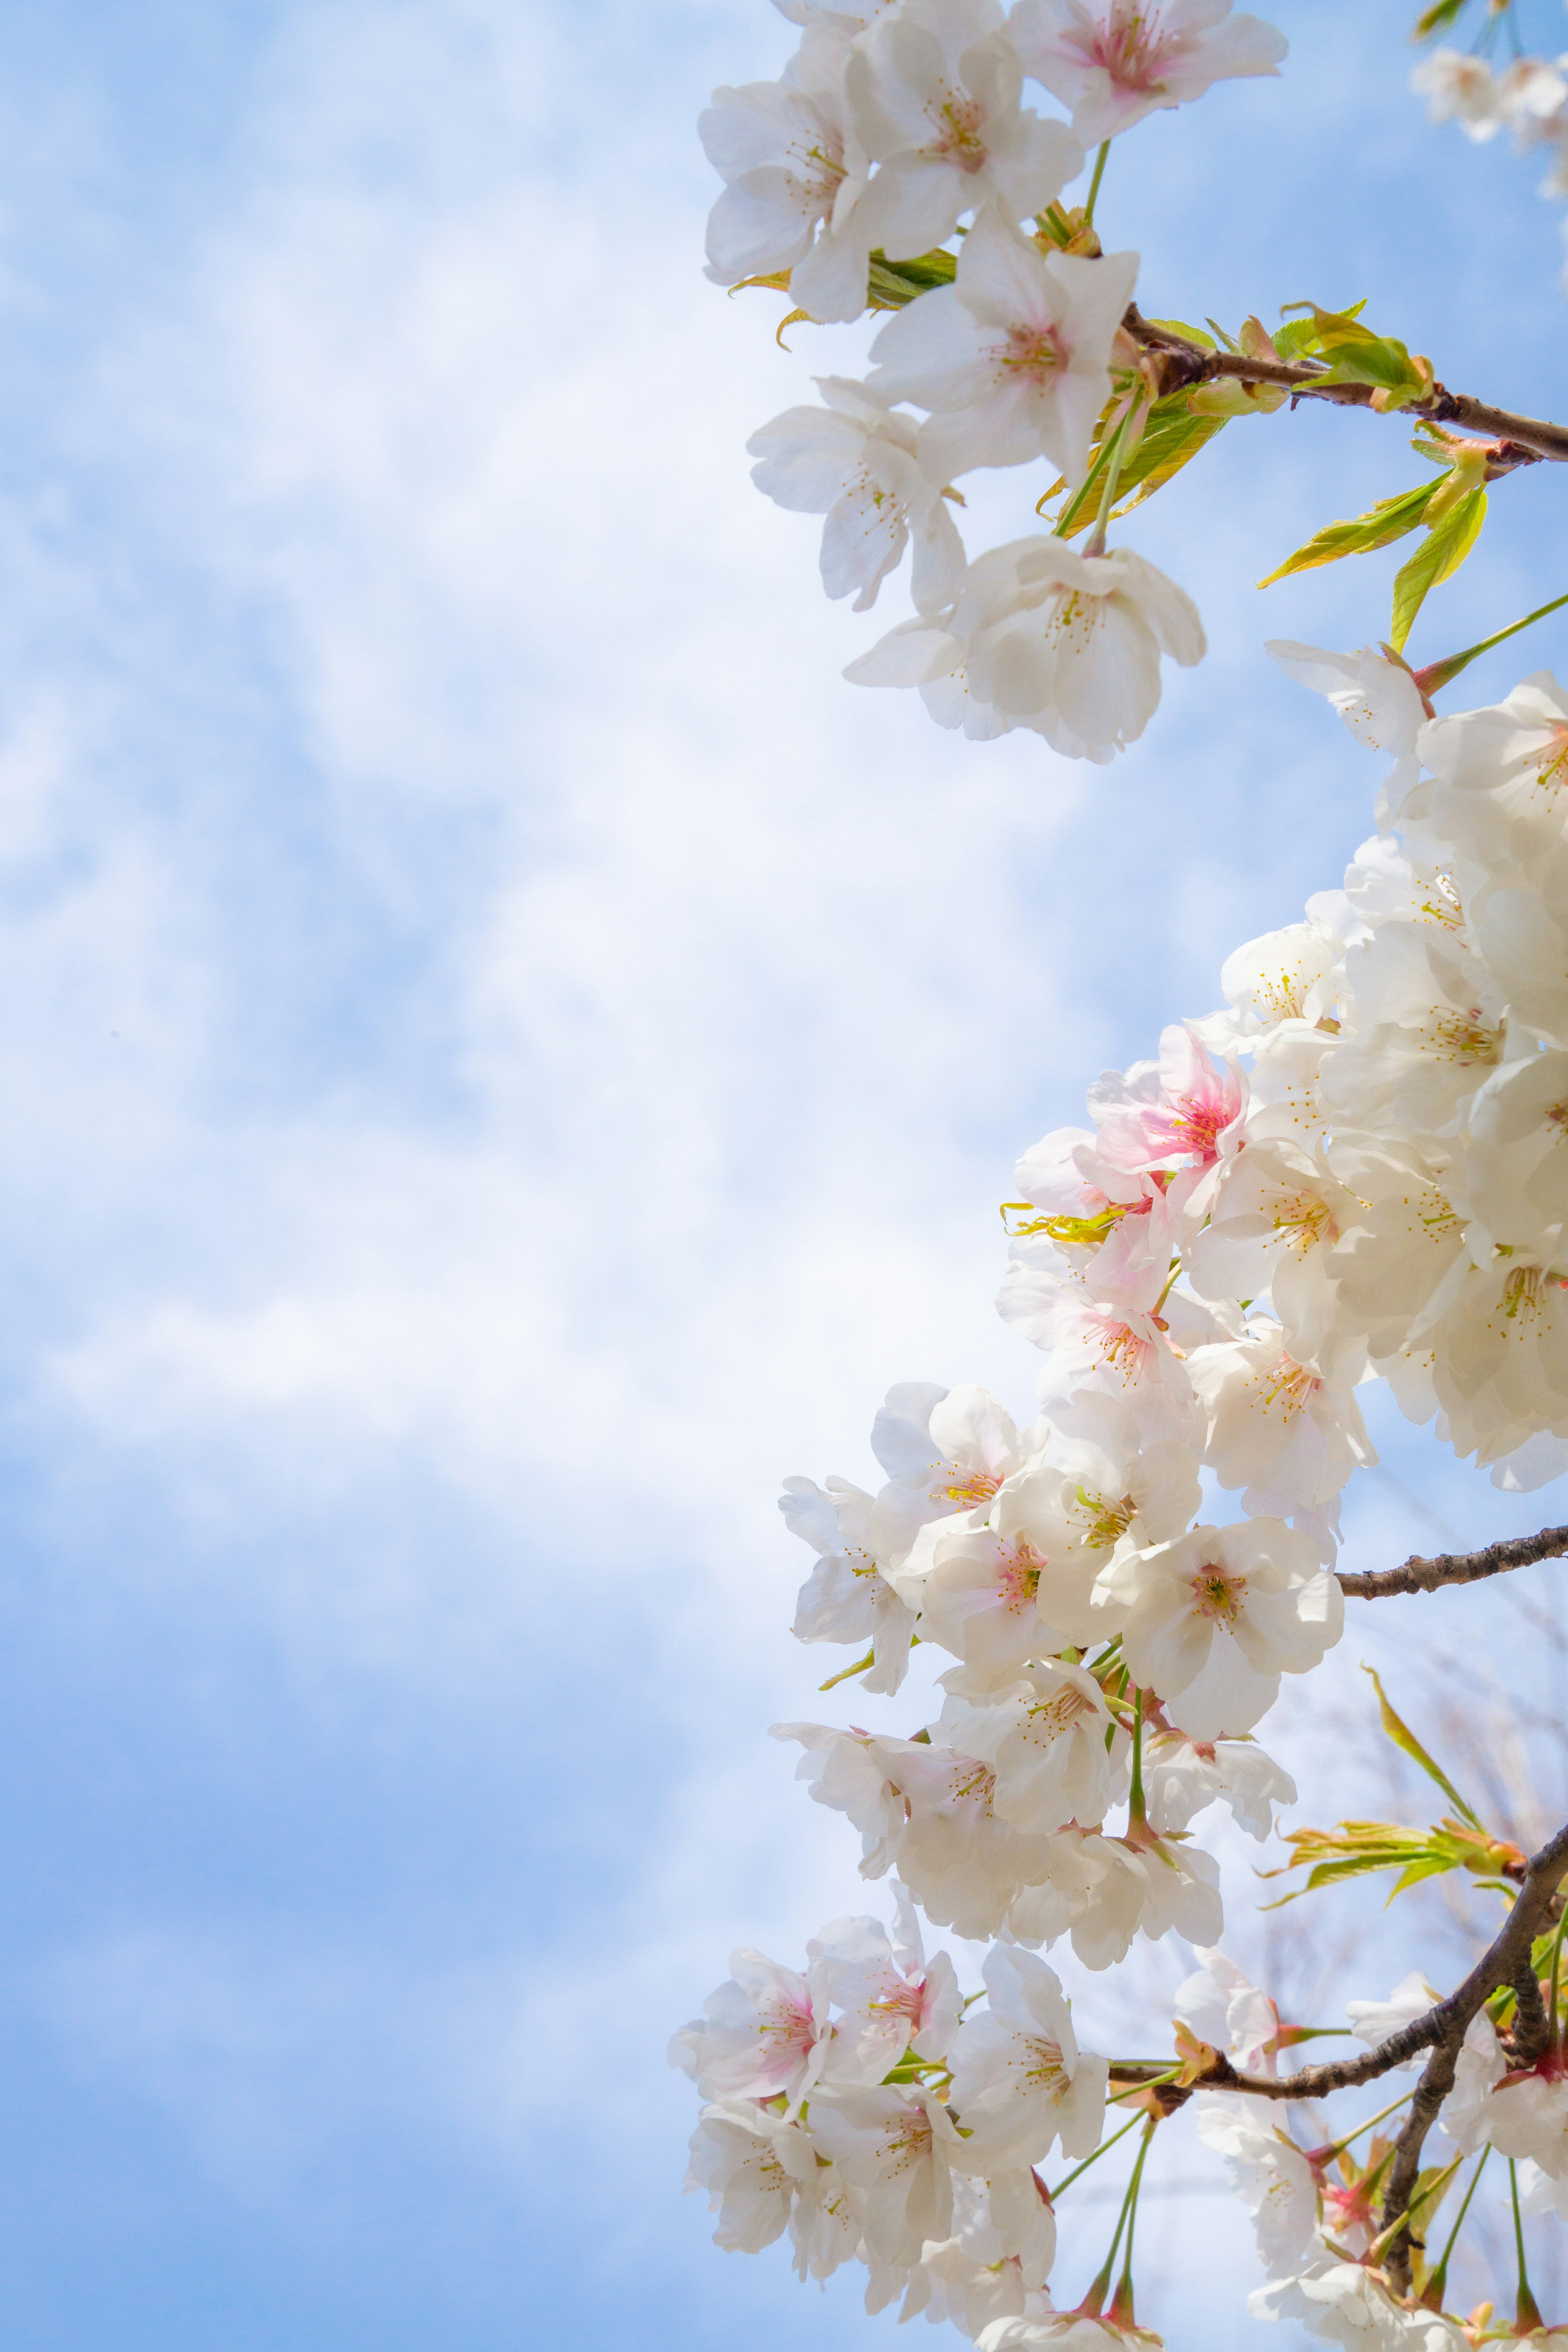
1224, 2008
935, 89
1049, 1737
1215, 1617
763, 2176
854, 461
796, 179
1020, 2083
764, 2031
1460, 88
1181, 1777
1013, 357
891, 1998
1114, 61
1044, 637
1271, 2176
846, 1598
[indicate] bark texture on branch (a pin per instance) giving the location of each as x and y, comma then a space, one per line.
1524, 439
1419, 1575
1442, 2030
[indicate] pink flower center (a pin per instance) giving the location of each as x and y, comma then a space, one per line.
1033, 351
957, 121
1134, 48
1218, 1596
977, 1488
1018, 1576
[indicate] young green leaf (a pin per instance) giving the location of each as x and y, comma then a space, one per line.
1433, 19
1402, 1737
1355, 355
1379, 526
1438, 557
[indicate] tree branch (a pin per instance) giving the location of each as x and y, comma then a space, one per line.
1523, 440
1444, 2026
1419, 1575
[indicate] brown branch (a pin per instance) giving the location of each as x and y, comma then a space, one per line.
1419, 1575
1523, 440
1442, 2031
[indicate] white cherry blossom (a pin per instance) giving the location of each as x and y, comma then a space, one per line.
763, 2177
1044, 637
764, 2030
1050, 1739
1501, 790
1373, 2021
846, 1598
1114, 61
1020, 2083
1460, 88
892, 1999
854, 461
1181, 1777
1286, 1432
895, 2148
1376, 697
1013, 357
934, 90
796, 179
947, 1455
1269, 2173
1227, 2009
1215, 1617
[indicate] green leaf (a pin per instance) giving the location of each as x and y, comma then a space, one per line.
1356, 356
1389, 519
893, 284
1433, 20
1437, 559
1189, 334
1298, 338
1402, 1737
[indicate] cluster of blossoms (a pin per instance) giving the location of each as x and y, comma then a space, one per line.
1528, 98
891, 127
1356, 1169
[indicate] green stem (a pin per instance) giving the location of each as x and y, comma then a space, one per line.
1094, 184
1122, 2301
1095, 543
1556, 1972
1527, 2311
1103, 2149
1338, 2146
1082, 496
1136, 1807
1093, 2303
1437, 2279
1150, 2082
1438, 674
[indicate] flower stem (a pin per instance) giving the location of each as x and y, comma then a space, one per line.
1095, 543
1121, 2301
1093, 2303
1135, 1813
1438, 2280
1527, 2311
1438, 674
1094, 184
1104, 2148
1338, 2146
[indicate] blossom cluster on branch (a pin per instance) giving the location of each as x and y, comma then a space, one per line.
1525, 96
1355, 1169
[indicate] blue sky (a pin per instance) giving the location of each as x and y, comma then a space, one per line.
506, 1056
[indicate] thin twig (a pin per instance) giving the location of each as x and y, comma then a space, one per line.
1522, 439
1419, 1575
